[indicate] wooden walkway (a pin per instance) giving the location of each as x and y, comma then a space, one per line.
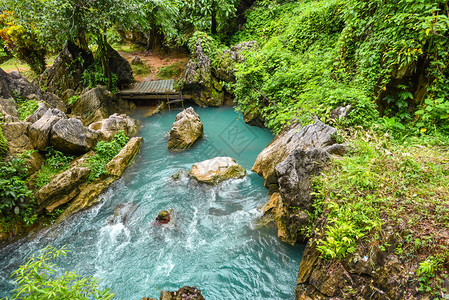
161, 90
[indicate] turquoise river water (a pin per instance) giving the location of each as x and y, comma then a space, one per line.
215, 240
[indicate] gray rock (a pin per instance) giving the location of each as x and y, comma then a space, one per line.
71, 136
121, 67
184, 293
38, 113
115, 123
341, 112
186, 129
235, 51
67, 70
8, 107
317, 135
40, 130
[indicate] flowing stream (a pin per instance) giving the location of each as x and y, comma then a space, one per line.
215, 240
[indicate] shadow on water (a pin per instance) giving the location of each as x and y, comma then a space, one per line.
214, 240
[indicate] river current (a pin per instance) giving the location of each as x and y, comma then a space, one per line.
215, 240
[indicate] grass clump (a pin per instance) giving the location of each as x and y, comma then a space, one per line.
141, 69
104, 152
171, 71
26, 107
386, 182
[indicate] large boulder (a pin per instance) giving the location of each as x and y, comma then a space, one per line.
97, 104
38, 113
216, 170
317, 135
120, 67
16, 133
40, 130
119, 163
288, 164
67, 70
71, 136
115, 123
186, 129
61, 189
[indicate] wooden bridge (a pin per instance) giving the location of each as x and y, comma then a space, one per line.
157, 90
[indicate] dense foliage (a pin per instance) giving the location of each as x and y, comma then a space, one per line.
316, 55
55, 163
37, 280
402, 185
22, 40
15, 196
3, 145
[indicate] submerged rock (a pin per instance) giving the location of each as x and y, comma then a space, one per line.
184, 293
186, 129
122, 213
216, 170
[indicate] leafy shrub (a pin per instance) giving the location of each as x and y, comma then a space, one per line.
13, 189
94, 76
3, 145
55, 163
104, 152
36, 280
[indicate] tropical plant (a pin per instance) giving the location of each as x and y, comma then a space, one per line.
37, 280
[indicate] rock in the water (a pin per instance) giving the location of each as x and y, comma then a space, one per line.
186, 129
216, 170
252, 117
122, 213
184, 293
115, 123
61, 189
287, 164
97, 104
119, 163
179, 175
163, 217
318, 135
41, 129
71, 136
